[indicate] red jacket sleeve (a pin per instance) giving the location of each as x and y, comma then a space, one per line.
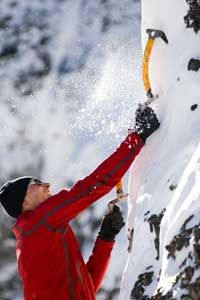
65, 205
99, 260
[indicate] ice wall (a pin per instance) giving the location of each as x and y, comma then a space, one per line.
161, 184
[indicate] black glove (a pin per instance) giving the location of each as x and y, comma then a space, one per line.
146, 121
111, 224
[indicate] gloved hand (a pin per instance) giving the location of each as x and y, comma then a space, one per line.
146, 121
111, 224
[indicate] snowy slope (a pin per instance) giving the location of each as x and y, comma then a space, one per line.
164, 202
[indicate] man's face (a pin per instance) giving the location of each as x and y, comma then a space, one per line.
37, 192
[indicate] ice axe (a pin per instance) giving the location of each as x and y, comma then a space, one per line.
120, 196
153, 35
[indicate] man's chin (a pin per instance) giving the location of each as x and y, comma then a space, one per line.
46, 197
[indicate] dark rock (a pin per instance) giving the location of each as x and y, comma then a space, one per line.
28, 81
12, 284
197, 245
14, 4
197, 234
106, 22
36, 17
172, 187
9, 51
190, 255
154, 223
167, 296
4, 22
183, 227
183, 263
194, 65
44, 40
180, 240
45, 66
186, 280
149, 267
138, 290
19, 43
192, 19
130, 239
186, 277
147, 213
23, 84
70, 65
194, 106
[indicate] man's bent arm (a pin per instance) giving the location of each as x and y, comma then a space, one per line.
65, 205
99, 260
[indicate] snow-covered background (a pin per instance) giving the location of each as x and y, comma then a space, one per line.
69, 84
70, 81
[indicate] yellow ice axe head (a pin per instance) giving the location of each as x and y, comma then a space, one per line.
153, 34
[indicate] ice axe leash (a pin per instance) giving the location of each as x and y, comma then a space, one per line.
153, 34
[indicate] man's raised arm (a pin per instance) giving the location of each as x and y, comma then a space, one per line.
67, 204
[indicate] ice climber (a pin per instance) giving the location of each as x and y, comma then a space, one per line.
50, 263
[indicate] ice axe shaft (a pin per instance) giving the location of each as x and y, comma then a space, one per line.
153, 34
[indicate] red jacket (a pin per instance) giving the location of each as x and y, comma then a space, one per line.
49, 259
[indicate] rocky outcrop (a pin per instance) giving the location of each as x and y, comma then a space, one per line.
192, 19
187, 279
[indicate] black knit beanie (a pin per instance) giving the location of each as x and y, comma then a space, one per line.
12, 195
